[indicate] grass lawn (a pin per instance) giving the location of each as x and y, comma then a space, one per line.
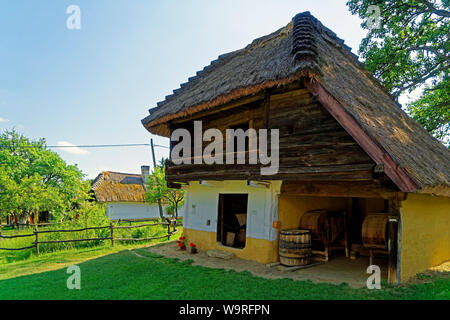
56, 256
139, 274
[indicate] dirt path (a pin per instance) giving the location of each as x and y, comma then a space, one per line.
337, 271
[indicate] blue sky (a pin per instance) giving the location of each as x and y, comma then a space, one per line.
94, 85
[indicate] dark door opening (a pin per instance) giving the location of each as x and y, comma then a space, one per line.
232, 220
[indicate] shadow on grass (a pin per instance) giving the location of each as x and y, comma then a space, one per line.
140, 274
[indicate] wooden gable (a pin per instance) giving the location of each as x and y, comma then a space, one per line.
313, 145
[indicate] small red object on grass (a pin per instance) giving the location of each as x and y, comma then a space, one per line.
193, 248
181, 245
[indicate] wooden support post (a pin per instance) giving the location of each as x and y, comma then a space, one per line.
111, 226
36, 240
347, 250
392, 249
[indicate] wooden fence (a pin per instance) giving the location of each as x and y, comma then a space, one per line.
111, 227
130, 221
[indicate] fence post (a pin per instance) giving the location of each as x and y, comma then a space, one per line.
37, 241
112, 233
168, 229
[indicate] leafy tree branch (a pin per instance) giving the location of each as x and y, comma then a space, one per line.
410, 51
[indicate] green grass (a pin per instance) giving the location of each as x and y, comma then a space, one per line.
7, 256
125, 275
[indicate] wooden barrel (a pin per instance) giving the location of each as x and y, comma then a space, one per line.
374, 231
316, 221
295, 247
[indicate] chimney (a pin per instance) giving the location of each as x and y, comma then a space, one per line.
145, 172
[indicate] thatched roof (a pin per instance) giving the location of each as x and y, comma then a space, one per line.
118, 187
306, 50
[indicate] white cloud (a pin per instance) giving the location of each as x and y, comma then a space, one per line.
71, 148
3, 119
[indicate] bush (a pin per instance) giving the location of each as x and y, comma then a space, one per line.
87, 215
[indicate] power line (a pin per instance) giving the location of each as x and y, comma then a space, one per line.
102, 145
98, 146
110, 145
158, 145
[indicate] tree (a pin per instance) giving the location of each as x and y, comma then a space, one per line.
157, 189
33, 179
409, 51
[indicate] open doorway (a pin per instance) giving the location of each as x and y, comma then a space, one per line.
232, 220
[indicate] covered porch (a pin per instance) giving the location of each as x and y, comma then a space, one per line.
353, 225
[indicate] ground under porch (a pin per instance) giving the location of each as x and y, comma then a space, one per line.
337, 270
360, 219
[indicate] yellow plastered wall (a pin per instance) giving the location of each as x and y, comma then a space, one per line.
425, 233
291, 208
260, 250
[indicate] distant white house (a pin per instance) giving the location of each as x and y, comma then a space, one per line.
124, 194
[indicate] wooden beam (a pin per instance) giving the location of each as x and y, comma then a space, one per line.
234, 104
394, 171
185, 173
230, 120
266, 109
363, 189
173, 185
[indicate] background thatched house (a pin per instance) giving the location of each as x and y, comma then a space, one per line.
345, 146
124, 194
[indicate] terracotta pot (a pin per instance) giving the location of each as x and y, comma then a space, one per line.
193, 250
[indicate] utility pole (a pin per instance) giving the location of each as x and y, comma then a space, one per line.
161, 214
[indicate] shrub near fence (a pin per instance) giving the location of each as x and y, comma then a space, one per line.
18, 226
58, 239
